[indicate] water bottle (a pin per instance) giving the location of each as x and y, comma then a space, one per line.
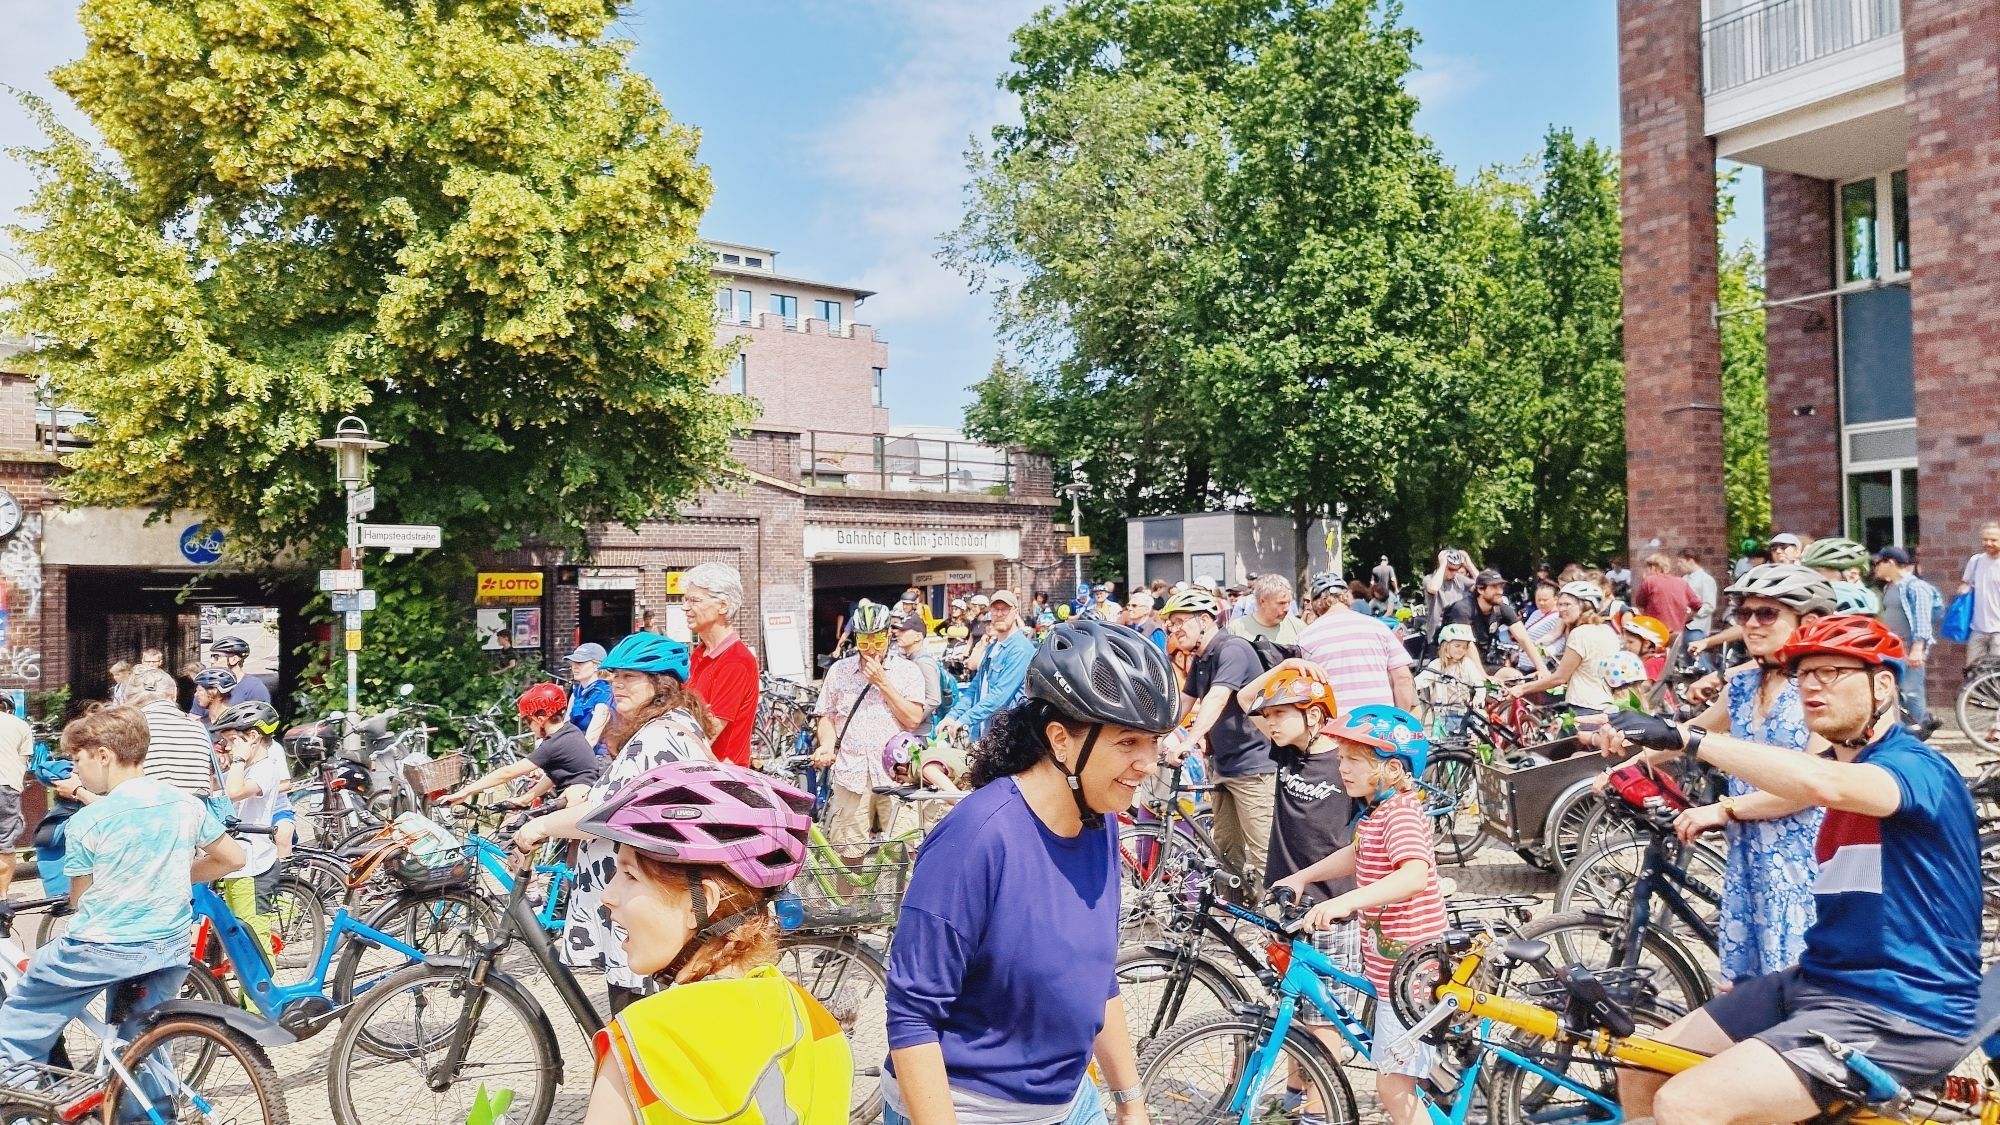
791, 911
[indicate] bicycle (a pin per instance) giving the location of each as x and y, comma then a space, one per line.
1160, 843
1977, 705
188, 1061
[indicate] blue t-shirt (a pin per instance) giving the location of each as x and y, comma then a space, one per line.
1004, 951
137, 844
1899, 897
249, 689
587, 699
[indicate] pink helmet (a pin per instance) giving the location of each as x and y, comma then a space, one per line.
899, 750
710, 814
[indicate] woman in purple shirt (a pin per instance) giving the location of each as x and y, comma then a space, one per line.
1001, 987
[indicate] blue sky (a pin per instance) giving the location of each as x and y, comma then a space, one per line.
835, 132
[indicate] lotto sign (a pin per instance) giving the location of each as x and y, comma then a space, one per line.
509, 584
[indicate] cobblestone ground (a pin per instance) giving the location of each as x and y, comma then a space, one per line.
386, 1097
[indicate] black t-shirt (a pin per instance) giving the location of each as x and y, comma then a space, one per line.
567, 757
1233, 744
1314, 818
1488, 626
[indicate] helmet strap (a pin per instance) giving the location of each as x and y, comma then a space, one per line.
1878, 706
1091, 817
706, 928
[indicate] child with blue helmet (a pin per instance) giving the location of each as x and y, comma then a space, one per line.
1383, 751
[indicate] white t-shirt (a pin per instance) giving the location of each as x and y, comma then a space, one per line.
268, 775
1982, 573
1592, 645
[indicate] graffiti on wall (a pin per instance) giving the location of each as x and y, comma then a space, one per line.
24, 664
21, 565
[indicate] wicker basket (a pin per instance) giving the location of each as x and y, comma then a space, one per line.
439, 775
865, 892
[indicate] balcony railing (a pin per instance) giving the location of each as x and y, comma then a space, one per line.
1766, 38
889, 463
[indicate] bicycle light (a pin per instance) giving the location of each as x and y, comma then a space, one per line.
1279, 953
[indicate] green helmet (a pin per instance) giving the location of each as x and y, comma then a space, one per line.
869, 618
1834, 554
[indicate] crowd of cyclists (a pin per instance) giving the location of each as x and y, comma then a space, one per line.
1850, 914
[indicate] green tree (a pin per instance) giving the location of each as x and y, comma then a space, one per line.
1746, 418
471, 223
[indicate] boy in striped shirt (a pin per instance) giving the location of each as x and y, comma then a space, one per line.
1383, 751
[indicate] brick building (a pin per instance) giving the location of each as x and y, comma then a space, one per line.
1877, 126
830, 503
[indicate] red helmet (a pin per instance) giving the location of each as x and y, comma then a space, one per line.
545, 701
1845, 634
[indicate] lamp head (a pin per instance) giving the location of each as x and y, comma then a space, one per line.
351, 446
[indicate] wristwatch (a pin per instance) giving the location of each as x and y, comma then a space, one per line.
1728, 804
1128, 1095
1691, 737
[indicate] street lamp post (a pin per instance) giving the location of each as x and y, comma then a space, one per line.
1075, 491
351, 446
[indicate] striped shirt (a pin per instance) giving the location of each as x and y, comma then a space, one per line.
1357, 654
1392, 834
180, 751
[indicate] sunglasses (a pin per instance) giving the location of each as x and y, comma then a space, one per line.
1761, 615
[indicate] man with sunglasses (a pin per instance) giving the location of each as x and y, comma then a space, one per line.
862, 705
1891, 965
1001, 679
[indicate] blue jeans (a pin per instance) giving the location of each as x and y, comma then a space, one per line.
1087, 1109
1916, 709
64, 977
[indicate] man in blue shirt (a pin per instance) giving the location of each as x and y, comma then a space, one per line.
1891, 966
233, 653
1003, 671
589, 694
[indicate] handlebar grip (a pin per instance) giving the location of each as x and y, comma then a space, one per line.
252, 829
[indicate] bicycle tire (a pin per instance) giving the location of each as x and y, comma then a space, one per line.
498, 1057
1566, 823
1602, 881
1143, 975
15, 1113
1521, 1097
1597, 941
1154, 867
1172, 1095
298, 920
261, 1088
1456, 829
404, 917
1977, 709
850, 981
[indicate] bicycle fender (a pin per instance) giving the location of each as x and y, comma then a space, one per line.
254, 1026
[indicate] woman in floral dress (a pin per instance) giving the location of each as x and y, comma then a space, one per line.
655, 720
1767, 899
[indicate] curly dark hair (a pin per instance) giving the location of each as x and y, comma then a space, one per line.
1015, 740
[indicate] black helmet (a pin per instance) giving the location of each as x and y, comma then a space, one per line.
1096, 672
230, 646
252, 715
216, 679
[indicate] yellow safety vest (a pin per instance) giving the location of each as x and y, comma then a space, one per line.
756, 1049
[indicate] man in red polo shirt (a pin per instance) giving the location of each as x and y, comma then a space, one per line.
724, 670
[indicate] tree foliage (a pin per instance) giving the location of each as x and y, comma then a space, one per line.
1746, 418
471, 223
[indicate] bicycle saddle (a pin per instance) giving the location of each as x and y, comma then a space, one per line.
1524, 949
895, 790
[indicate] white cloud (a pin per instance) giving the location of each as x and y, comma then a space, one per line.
899, 149
1441, 78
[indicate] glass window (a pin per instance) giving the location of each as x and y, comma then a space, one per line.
1899, 201
742, 306
725, 302
754, 263
1906, 492
828, 311
1871, 515
732, 259
875, 388
1875, 379
786, 307
739, 374
1857, 230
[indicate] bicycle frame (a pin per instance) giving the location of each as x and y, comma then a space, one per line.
1660, 876
493, 859
254, 974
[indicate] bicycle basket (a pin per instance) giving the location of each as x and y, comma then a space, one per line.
439, 775
435, 872
852, 886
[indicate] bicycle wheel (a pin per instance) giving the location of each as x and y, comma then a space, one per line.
1190, 1075
1520, 1097
13, 1114
197, 1068
1666, 974
324, 872
1144, 977
1568, 817
433, 922
418, 1012
1453, 804
1603, 879
1155, 866
850, 981
298, 924
1978, 710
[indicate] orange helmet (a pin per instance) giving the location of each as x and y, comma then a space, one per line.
1649, 629
1294, 687
545, 701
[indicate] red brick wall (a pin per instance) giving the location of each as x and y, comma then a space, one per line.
805, 379
1799, 345
1673, 362
1951, 84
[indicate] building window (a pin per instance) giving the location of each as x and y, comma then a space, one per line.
739, 374
787, 308
742, 306
1899, 196
1876, 381
1869, 238
732, 259
754, 263
875, 387
725, 303
1882, 507
1857, 230
828, 311
1877, 388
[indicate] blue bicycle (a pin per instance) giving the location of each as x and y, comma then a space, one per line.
1257, 1065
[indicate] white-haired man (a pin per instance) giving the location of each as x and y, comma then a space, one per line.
724, 670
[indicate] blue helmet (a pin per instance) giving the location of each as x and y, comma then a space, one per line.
648, 652
216, 679
1392, 731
